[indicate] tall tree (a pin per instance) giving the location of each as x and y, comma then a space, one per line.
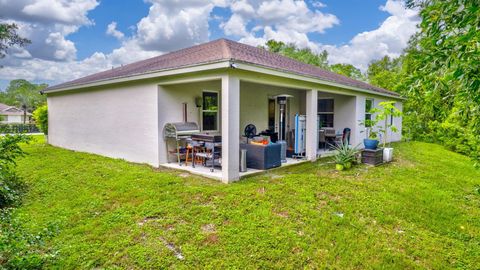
442, 75
23, 94
385, 72
304, 55
317, 59
348, 70
9, 38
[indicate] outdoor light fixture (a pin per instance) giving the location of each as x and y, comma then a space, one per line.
233, 65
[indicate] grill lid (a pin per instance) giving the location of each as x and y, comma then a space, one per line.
172, 130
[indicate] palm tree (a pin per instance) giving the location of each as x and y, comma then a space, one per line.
24, 95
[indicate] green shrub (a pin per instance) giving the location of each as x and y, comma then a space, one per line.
10, 185
345, 153
41, 118
20, 249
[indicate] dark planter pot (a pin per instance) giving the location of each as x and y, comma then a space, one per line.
370, 144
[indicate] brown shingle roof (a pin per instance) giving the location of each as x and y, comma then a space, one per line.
216, 51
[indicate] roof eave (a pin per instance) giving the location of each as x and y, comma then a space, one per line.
224, 63
299, 76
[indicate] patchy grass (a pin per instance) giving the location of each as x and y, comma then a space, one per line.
421, 211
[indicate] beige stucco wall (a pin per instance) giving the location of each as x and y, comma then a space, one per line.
170, 100
344, 113
118, 121
254, 104
397, 121
360, 115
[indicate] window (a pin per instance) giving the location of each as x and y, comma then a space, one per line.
325, 112
368, 108
210, 111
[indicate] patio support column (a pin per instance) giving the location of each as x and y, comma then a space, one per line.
311, 145
230, 128
357, 136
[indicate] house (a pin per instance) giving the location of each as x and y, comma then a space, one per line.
12, 115
223, 86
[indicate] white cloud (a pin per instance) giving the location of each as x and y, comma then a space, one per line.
65, 49
41, 70
129, 52
175, 24
47, 23
235, 26
63, 11
318, 4
69, 12
285, 20
112, 31
292, 22
391, 38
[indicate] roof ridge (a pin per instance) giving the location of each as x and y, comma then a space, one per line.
227, 52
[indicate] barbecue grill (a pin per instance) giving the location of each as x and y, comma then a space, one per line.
179, 131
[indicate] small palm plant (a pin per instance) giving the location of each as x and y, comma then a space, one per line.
345, 156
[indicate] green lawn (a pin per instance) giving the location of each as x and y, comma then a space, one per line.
422, 211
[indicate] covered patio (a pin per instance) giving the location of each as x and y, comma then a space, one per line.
224, 106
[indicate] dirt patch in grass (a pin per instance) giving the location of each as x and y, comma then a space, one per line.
176, 251
208, 228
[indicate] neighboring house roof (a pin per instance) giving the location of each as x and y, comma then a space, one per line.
10, 110
217, 51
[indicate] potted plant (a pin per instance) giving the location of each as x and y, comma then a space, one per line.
345, 156
386, 111
371, 140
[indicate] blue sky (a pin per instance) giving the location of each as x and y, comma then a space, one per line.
71, 39
355, 16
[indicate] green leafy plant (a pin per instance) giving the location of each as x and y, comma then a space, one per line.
345, 154
41, 118
383, 112
10, 184
386, 110
20, 248
369, 125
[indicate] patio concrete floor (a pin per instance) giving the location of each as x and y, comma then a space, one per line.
217, 173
